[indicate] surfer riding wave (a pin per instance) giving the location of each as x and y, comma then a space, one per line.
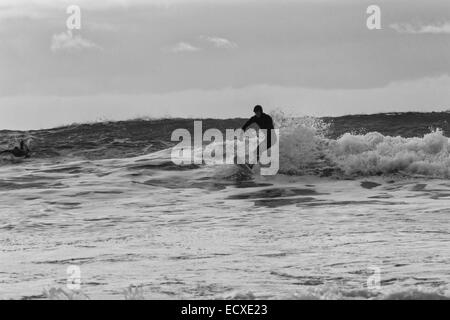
264, 121
22, 151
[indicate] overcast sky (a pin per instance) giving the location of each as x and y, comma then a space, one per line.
218, 58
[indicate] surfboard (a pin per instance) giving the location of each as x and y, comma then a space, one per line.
243, 166
246, 168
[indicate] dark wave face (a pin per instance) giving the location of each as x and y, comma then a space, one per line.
137, 137
107, 140
407, 125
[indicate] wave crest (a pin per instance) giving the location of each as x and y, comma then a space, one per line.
375, 154
306, 149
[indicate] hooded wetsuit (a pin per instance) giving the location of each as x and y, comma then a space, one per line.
23, 151
264, 122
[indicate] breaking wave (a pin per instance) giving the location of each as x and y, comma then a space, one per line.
409, 144
322, 293
305, 149
334, 293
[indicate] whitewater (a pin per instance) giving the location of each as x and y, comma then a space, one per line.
107, 198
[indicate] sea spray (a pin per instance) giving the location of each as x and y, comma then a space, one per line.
303, 145
375, 154
305, 149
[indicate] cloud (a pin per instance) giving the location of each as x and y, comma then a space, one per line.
217, 42
69, 42
123, 3
11, 12
184, 47
406, 28
220, 43
101, 26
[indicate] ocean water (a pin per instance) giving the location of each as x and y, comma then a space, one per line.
372, 198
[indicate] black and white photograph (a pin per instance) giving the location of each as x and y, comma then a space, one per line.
224, 150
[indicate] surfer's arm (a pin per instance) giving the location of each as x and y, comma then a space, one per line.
248, 123
271, 126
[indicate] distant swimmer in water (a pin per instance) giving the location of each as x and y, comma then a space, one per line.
264, 121
23, 151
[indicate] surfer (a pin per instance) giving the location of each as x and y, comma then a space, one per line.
264, 121
23, 151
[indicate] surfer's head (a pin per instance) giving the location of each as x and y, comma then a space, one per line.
258, 110
22, 144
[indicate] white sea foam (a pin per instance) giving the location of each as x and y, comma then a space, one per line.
304, 149
374, 153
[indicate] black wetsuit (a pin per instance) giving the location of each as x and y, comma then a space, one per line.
264, 122
17, 152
